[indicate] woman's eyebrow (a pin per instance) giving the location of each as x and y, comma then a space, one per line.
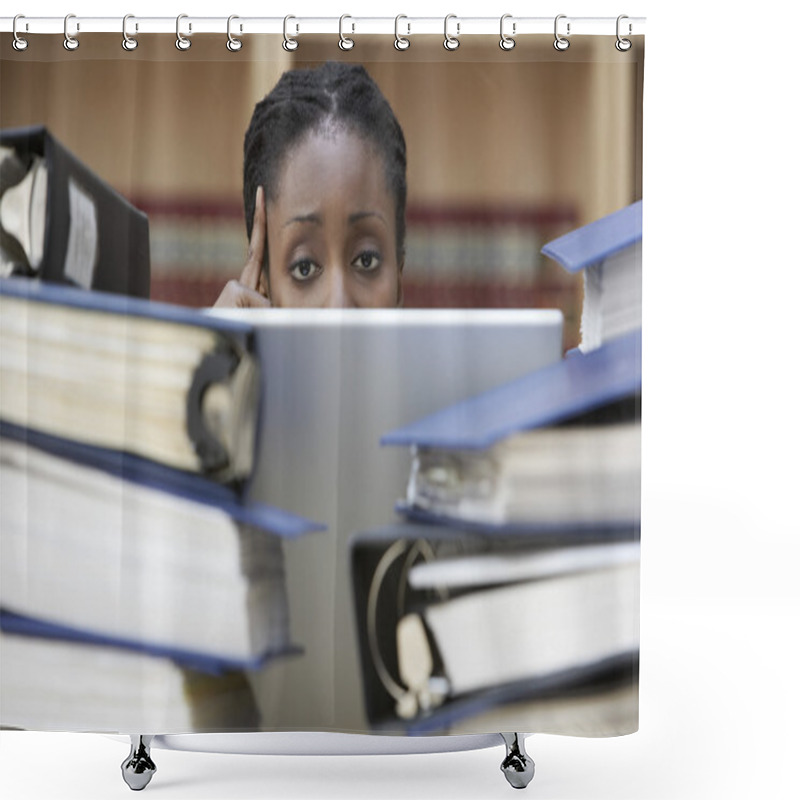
359, 215
315, 218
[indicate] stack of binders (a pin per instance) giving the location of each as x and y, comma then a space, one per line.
509, 596
139, 583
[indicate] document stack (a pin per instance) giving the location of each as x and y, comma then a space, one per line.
509, 597
139, 583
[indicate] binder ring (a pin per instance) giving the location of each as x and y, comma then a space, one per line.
233, 44
70, 42
182, 43
344, 42
400, 42
623, 45
560, 43
451, 42
420, 547
19, 44
506, 41
128, 42
289, 42
389, 683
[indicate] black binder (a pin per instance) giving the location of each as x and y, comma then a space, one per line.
93, 238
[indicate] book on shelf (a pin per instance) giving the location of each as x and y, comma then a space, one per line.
60, 222
56, 678
457, 627
609, 253
173, 386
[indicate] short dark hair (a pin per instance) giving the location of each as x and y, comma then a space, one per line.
304, 100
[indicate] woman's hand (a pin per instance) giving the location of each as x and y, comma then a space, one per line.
250, 291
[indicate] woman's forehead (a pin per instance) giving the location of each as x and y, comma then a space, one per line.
332, 161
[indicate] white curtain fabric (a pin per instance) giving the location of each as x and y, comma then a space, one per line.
414, 618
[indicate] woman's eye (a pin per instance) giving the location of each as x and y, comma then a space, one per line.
367, 261
303, 270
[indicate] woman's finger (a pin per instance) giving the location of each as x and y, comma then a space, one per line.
251, 274
235, 295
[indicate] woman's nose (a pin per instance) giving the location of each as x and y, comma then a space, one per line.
339, 290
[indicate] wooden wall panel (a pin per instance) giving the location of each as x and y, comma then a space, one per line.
527, 127
151, 122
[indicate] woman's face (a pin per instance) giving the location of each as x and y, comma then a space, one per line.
331, 229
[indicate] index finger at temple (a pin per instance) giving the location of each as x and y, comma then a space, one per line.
255, 254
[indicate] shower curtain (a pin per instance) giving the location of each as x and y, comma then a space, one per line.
396, 554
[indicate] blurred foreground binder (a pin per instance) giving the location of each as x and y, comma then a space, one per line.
61, 223
137, 588
462, 631
509, 599
608, 252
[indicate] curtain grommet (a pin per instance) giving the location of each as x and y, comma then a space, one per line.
181, 42
233, 44
129, 43
70, 42
623, 45
401, 42
290, 44
19, 44
345, 43
561, 43
451, 42
507, 42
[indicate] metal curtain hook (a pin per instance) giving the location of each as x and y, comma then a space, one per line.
623, 45
560, 43
344, 42
233, 44
506, 42
289, 42
451, 42
128, 42
19, 43
400, 42
70, 42
182, 43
